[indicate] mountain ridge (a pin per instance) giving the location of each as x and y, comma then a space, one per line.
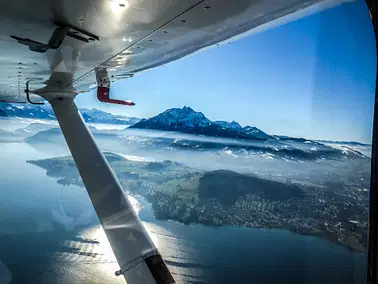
46, 112
197, 123
187, 120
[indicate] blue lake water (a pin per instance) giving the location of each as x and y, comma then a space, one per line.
35, 250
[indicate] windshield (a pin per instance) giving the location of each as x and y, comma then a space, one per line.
247, 163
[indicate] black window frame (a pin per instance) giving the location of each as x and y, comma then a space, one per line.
372, 277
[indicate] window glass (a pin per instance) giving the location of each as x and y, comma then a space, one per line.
247, 163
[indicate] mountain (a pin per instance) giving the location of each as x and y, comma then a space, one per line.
33, 128
353, 143
54, 135
26, 111
175, 119
296, 139
99, 116
46, 112
189, 121
251, 130
3, 113
225, 124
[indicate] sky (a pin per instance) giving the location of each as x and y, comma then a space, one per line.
312, 78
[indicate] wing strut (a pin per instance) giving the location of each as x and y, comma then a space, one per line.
139, 260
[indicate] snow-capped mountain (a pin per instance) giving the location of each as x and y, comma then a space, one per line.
175, 119
189, 121
256, 132
231, 125
26, 111
99, 116
46, 112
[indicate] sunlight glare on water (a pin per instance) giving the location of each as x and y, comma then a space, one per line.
97, 233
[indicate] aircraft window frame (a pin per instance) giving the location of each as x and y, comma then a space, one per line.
372, 276
372, 253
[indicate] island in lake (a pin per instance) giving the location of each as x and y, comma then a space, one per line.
335, 208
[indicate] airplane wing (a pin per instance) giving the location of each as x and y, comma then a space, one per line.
123, 36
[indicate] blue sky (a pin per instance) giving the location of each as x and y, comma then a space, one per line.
312, 78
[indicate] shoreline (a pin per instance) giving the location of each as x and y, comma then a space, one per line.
147, 206
176, 192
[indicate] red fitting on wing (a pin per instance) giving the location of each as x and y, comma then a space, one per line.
103, 96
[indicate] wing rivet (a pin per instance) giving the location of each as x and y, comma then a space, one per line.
207, 7
183, 21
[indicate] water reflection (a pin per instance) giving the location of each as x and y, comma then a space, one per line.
97, 235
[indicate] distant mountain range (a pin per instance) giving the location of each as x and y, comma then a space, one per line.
189, 121
176, 119
46, 112
353, 143
184, 120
